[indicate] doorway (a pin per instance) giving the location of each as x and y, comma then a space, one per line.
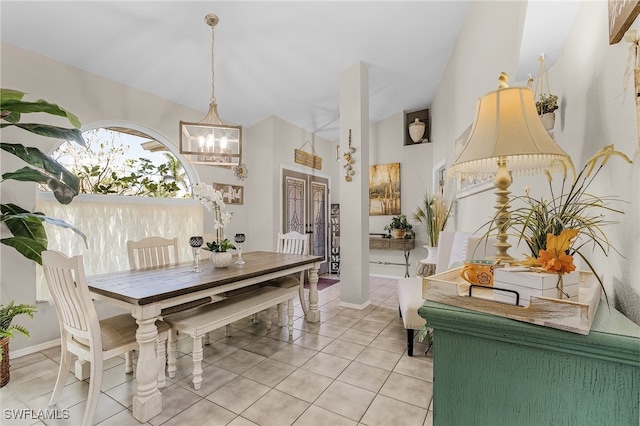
306, 210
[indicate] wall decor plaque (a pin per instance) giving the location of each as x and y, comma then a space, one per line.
307, 159
232, 194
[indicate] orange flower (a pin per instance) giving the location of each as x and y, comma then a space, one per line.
555, 258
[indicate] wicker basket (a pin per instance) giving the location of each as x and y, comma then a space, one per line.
4, 364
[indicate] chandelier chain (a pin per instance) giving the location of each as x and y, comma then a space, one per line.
213, 72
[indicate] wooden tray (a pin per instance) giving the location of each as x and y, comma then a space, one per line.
574, 315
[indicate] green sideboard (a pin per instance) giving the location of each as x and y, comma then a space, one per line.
490, 370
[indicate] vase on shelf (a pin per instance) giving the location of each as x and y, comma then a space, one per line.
221, 259
548, 120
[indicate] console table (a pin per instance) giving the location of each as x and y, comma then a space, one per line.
490, 370
404, 244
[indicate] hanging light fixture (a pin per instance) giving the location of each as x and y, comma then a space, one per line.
210, 141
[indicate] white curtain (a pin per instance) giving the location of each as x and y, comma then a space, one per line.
109, 222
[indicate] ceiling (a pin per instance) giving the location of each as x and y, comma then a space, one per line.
281, 58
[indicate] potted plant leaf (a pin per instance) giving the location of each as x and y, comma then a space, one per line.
399, 226
29, 236
7, 331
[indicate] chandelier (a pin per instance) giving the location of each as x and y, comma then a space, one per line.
210, 141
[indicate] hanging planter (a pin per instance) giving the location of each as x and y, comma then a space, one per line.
546, 103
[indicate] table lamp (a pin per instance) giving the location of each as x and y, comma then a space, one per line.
507, 137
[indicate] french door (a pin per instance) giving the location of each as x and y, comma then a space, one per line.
306, 210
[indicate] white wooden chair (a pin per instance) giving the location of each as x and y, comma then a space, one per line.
152, 251
292, 243
83, 334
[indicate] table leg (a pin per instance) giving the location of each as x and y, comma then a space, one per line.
147, 403
314, 313
406, 263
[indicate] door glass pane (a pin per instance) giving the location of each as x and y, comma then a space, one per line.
294, 204
319, 218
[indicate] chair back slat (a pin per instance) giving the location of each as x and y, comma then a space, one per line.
293, 243
68, 287
152, 251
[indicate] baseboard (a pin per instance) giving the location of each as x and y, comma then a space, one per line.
354, 306
35, 348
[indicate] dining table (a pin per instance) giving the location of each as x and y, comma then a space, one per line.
147, 292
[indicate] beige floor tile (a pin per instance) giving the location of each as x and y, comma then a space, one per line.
239, 339
216, 351
282, 334
303, 325
408, 389
385, 411
379, 358
358, 313
358, 336
106, 408
175, 399
329, 330
212, 378
294, 355
417, 366
382, 315
396, 344
313, 341
123, 418
342, 320
345, 399
304, 385
364, 376
275, 409
71, 395
326, 365
428, 421
369, 325
201, 413
316, 416
241, 421
265, 346
239, 362
269, 372
343, 349
239, 394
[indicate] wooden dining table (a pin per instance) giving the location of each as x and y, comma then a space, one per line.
146, 292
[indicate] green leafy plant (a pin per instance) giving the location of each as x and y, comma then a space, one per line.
547, 103
433, 213
399, 222
574, 208
221, 246
29, 236
7, 314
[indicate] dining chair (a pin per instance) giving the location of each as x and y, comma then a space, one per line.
292, 243
152, 251
83, 334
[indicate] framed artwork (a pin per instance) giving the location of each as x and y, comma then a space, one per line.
232, 194
622, 13
384, 189
467, 185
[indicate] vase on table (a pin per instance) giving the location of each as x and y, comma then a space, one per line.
221, 259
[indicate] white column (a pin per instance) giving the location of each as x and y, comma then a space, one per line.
354, 195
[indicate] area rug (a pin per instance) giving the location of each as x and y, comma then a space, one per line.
322, 283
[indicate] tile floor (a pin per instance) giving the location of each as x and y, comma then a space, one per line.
351, 368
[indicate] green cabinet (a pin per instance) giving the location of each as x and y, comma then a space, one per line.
490, 370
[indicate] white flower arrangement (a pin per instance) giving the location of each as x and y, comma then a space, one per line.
213, 200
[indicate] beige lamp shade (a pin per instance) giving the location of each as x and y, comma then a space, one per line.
507, 127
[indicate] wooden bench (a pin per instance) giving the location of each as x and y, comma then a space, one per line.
200, 321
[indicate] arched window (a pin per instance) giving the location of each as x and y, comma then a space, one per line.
134, 185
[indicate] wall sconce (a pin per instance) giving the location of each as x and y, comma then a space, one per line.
349, 160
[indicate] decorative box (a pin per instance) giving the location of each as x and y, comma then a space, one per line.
527, 284
574, 315
534, 280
